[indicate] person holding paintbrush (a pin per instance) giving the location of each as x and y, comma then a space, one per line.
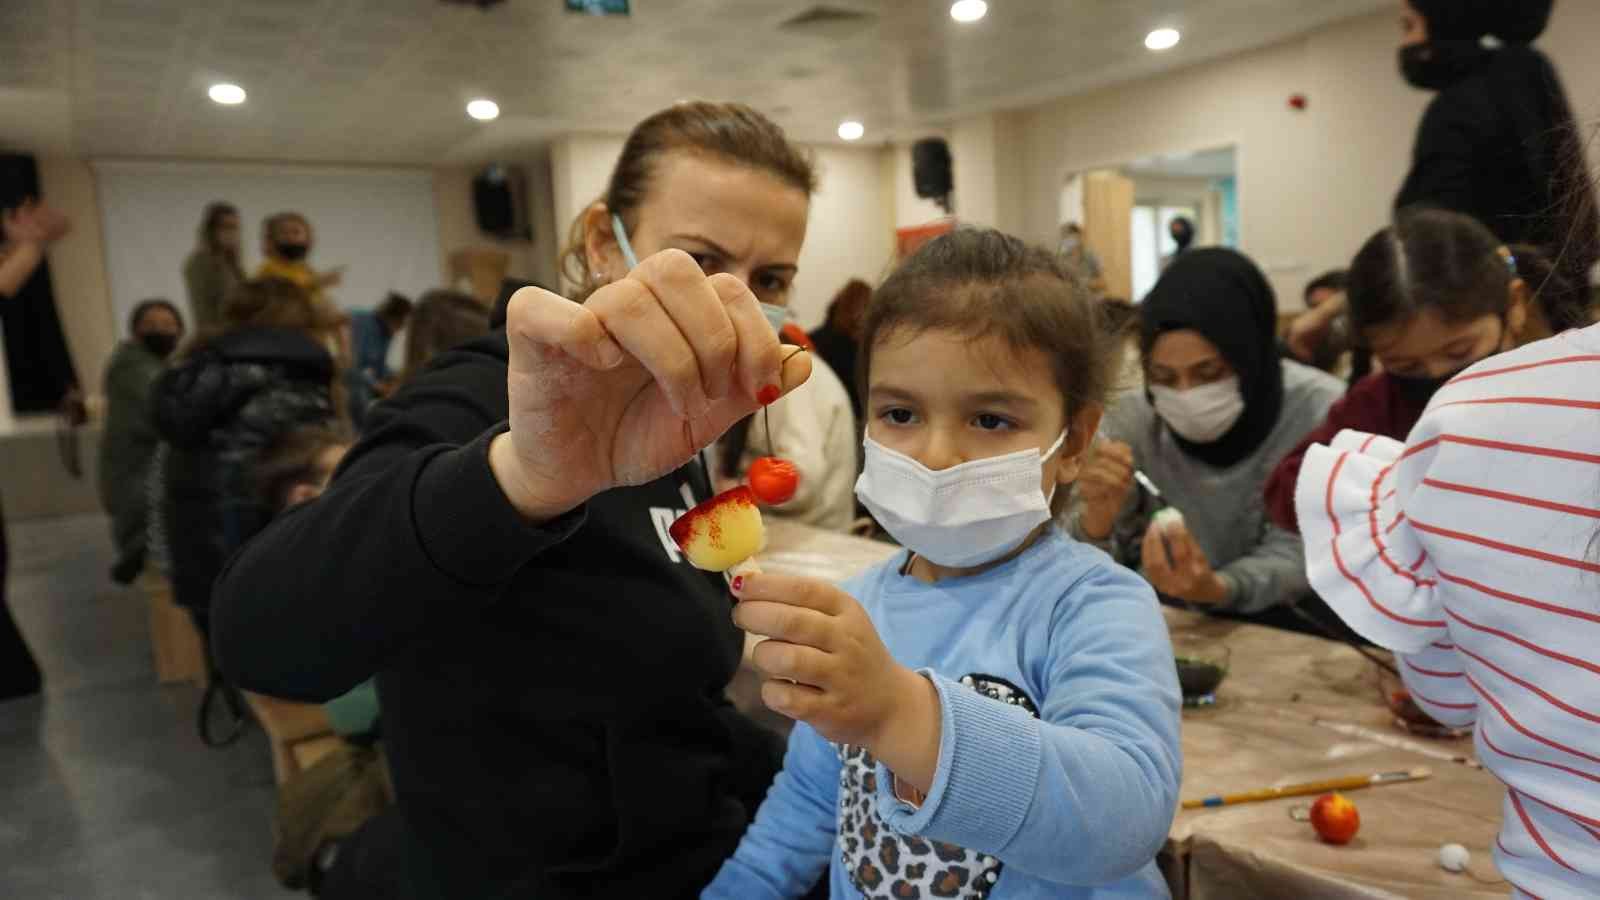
1218, 411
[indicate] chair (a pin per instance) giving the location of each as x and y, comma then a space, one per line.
174, 641
299, 733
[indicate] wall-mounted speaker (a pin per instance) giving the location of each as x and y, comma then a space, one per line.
930, 170
500, 203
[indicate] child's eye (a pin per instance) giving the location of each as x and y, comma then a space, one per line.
897, 415
992, 422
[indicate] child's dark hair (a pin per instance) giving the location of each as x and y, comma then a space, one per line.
1432, 259
293, 461
980, 282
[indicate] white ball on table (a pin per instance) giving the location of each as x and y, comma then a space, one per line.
1454, 858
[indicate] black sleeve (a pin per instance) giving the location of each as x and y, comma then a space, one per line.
1443, 170
413, 532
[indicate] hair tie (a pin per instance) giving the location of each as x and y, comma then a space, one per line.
1510, 258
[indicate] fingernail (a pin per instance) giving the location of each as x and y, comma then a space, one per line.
738, 583
769, 394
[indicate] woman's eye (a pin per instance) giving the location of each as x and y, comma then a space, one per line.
771, 284
898, 415
991, 422
708, 264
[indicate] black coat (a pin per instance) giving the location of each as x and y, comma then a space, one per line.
219, 411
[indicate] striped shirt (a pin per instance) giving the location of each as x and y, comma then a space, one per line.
1471, 551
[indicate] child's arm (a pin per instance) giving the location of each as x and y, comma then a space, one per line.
789, 844
1084, 795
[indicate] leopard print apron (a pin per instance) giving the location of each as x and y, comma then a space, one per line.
884, 865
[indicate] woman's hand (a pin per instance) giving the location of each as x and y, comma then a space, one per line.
1188, 575
1104, 485
631, 384
828, 667
1310, 328
34, 223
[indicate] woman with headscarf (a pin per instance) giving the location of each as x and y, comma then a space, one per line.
1499, 142
1218, 410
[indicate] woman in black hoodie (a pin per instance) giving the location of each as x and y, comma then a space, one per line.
266, 370
495, 549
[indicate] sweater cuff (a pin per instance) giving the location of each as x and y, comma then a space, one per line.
984, 783
467, 526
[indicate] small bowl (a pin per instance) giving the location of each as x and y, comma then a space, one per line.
1202, 665
1408, 716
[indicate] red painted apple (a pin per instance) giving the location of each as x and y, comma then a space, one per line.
1335, 818
774, 480
721, 532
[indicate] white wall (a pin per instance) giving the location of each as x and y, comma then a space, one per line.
1313, 185
850, 233
533, 260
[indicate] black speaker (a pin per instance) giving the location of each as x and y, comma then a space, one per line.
930, 170
493, 202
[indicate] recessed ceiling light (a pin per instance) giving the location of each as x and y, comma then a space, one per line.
967, 11
483, 110
226, 94
1162, 39
851, 130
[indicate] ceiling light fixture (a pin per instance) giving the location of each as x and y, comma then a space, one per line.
968, 11
851, 130
226, 94
483, 110
1162, 39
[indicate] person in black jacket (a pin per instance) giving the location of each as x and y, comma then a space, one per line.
1499, 142
551, 668
238, 389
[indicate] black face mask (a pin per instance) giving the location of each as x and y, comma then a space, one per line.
1436, 65
292, 252
161, 343
1419, 389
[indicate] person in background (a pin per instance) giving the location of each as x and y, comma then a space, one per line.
371, 331
129, 439
1220, 408
1326, 352
212, 271
443, 320
1182, 232
1430, 295
997, 693
836, 341
552, 668
815, 429
1498, 141
28, 230
1483, 581
286, 244
1080, 259
235, 392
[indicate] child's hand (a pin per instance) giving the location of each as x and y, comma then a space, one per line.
827, 667
1188, 576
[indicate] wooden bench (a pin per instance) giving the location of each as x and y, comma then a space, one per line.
174, 641
299, 733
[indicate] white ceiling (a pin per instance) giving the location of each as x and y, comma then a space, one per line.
387, 80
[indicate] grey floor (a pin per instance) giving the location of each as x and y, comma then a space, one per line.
105, 788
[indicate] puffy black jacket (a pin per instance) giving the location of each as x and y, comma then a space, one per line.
219, 410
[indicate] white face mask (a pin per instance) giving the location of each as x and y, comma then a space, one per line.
777, 316
1200, 414
959, 517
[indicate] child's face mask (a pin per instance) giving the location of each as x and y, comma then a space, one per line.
959, 517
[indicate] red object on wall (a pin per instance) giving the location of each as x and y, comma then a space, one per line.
908, 239
1297, 102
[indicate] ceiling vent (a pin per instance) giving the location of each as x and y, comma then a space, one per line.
824, 20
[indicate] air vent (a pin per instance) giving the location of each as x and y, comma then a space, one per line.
827, 21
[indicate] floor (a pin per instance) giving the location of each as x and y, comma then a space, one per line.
105, 788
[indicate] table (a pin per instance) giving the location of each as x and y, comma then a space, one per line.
1264, 732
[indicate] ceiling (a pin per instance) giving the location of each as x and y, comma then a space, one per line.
1216, 163
387, 80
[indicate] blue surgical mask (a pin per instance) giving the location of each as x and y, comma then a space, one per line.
777, 316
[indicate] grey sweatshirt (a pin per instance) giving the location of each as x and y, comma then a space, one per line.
1223, 508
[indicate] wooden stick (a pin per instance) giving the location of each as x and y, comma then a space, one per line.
1348, 783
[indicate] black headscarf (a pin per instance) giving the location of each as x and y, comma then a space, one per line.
1512, 21
1222, 295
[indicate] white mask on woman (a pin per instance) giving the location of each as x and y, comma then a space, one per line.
1201, 414
959, 517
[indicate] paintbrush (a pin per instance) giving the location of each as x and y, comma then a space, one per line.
1349, 783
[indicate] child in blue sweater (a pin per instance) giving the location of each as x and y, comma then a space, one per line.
994, 713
